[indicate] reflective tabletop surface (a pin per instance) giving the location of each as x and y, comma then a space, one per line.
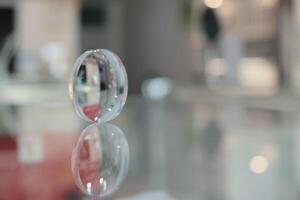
179, 149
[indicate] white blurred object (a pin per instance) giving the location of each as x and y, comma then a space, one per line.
221, 68
216, 67
215, 72
38, 25
258, 74
30, 148
157, 88
213, 3
54, 54
259, 164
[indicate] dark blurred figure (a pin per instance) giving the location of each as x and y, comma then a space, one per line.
211, 25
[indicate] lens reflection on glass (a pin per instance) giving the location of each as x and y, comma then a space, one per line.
99, 85
100, 159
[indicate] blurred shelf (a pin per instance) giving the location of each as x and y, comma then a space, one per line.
23, 94
272, 100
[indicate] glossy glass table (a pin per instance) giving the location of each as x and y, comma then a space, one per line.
179, 149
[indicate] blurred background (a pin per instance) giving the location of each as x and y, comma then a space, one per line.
213, 106
248, 46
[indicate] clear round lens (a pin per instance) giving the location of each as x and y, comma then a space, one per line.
99, 85
100, 159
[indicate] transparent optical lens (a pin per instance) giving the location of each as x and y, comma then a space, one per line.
100, 159
99, 85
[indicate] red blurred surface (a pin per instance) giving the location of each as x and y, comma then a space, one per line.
91, 111
48, 178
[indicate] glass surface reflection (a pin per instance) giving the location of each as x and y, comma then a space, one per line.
99, 85
100, 159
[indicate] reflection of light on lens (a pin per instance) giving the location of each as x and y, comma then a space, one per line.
100, 159
89, 187
258, 164
213, 3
